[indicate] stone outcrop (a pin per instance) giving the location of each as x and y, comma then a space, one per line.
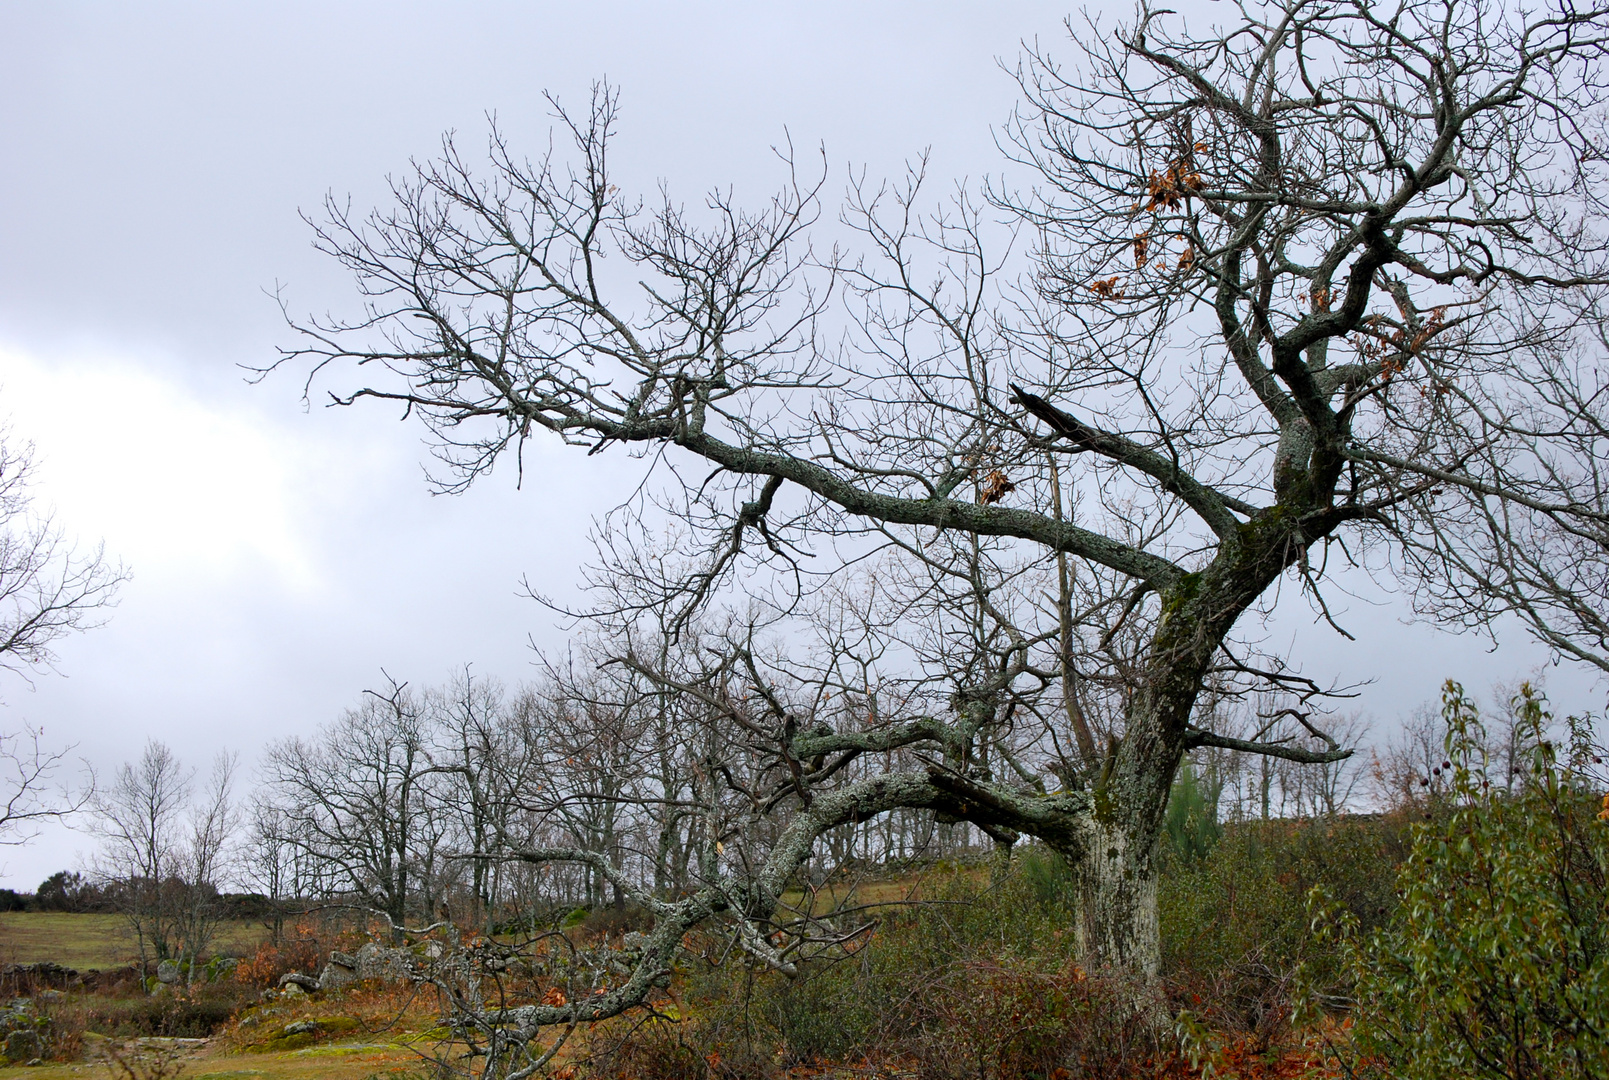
23, 1032
23, 1045
376, 961
372, 961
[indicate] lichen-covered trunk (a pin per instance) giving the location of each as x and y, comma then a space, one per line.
1116, 860
1116, 883
1116, 864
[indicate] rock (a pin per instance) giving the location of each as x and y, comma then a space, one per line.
340, 971
222, 967
167, 972
302, 1027
335, 976
45, 973
373, 961
22, 1045
376, 961
295, 980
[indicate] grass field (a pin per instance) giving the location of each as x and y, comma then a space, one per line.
88, 942
879, 892
315, 1063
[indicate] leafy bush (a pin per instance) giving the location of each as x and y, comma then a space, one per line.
1496, 963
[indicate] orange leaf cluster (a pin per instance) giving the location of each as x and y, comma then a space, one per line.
996, 487
1169, 188
1106, 288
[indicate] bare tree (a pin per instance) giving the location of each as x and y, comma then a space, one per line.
162, 856
491, 748
48, 589
356, 801
140, 818
204, 864
27, 771
271, 862
1283, 276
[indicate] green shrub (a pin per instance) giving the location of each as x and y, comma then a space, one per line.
1191, 826
1235, 924
1496, 962
977, 981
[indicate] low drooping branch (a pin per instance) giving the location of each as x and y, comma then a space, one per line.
753, 898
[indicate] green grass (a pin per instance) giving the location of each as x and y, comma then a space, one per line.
89, 942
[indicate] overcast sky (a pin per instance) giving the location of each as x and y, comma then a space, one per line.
154, 158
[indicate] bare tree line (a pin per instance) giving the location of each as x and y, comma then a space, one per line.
409, 803
414, 804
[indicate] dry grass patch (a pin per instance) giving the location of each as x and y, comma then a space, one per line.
96, 942
212, 1063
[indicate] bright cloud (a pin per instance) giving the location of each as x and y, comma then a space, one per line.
173, 484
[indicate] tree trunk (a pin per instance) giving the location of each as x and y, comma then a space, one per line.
1115, 882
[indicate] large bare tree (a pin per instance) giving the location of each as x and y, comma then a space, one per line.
1328, 274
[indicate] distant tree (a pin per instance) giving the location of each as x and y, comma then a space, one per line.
62, 891
48, 589
276, 865
355, 800
163, 852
